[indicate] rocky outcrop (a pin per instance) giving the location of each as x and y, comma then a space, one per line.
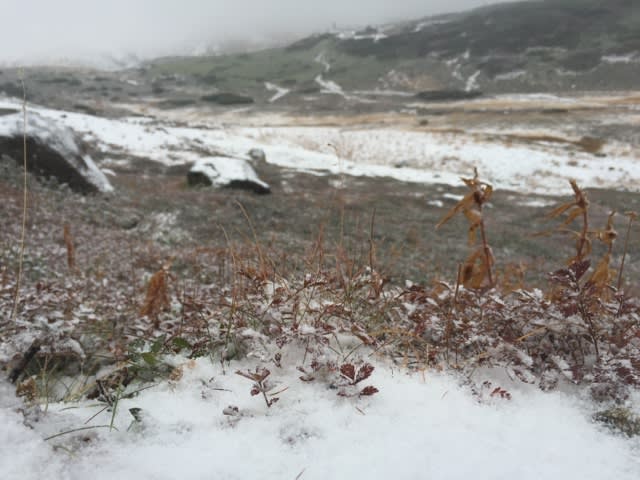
226, 172
257, 155
53, 151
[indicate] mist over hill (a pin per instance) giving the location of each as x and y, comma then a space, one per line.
513, 47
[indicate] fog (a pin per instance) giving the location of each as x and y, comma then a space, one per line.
38, 30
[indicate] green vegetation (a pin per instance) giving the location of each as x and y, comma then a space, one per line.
536, 36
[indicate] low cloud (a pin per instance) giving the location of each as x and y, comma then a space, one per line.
36, 30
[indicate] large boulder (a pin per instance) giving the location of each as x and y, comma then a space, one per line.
53, 150
226, 172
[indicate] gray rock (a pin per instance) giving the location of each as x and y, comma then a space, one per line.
257, 155
127, 220
53, 151
226, 172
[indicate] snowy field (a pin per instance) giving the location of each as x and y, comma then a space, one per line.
402, 153
204, 424
419, 426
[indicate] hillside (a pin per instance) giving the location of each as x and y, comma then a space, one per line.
517, 47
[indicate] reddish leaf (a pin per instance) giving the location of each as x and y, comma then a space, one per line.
579, 268
368, 391
364, 372
348, 371
501, 392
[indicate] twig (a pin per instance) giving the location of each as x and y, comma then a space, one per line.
16, 297
632, 216
75, 430
372, 245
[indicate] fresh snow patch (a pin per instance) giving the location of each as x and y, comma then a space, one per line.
629, 58
329, 86
452, 196
353, 35
537, 203
427, 156
321, 58
428, 23
385, 93
472, 82
280, 92
207, 425
511, 75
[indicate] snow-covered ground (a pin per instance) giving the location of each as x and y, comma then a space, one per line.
401, 153
418, 426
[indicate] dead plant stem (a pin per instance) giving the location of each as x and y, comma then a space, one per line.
16, 298
624, 254
487, 250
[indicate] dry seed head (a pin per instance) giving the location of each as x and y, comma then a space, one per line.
157, 296
609, 234
68, 241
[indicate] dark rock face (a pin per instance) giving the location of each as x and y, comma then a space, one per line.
46, 162
249, 185
52, 152
198, 179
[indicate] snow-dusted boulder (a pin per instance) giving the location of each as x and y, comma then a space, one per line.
226, 172
257, 155
52, 151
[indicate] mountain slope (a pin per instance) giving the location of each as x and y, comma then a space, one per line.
518, 47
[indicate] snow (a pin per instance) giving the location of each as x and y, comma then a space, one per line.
441, 157
511, 75
329, 86
629, 58
428, 23
279, 91
472, 82
353, 35
321, 58
429, 156
420, 425
385, 93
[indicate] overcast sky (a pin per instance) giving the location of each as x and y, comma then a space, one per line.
36, 29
